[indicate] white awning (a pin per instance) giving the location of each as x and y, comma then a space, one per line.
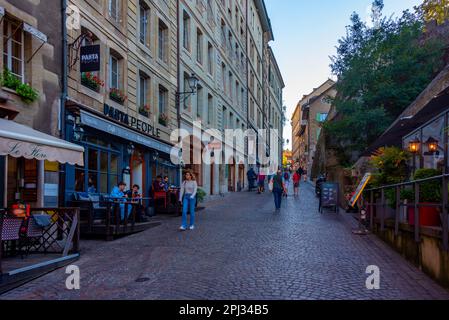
18, 141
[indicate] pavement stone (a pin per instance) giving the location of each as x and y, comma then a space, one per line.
241, 250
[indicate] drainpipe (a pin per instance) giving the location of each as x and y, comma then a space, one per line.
62, 168
177, 100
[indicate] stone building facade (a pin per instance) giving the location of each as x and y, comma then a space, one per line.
314, 110
32, 52
126, 106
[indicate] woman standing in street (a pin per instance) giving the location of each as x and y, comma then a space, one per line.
187, 197
278, 189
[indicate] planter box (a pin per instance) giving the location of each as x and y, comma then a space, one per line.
428, 216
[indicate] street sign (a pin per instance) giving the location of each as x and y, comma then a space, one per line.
360, 189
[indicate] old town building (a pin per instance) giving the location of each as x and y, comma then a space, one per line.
122, 85
313, 110
275, 107
30, 99
223, 43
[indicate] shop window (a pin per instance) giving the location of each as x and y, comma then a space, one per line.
22, 180
13, 48
101, 173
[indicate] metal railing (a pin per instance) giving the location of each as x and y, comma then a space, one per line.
380, 192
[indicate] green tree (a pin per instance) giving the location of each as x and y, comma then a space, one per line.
436, 10
380, 70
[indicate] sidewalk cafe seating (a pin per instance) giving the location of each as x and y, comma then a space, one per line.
101, 215
44, 241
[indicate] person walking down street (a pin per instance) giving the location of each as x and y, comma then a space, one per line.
286, 182
278, 188
187, 197
296, 183
252, 177
261, 183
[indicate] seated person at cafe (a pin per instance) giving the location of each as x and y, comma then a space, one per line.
158, 184
118, 193
136, 197
166, 184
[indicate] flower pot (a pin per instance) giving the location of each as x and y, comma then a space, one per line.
428, 216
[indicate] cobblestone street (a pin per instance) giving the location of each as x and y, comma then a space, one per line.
241, 249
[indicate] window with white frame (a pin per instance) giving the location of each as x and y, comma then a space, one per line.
13, 48
163, 41
163, 99
114, 72
144, 24
143, 94
186, 31
114, 9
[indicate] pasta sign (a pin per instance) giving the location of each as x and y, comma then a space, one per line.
90, 58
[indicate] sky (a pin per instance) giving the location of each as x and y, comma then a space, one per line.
306, 33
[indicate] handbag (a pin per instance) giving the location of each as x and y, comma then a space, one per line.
271, 185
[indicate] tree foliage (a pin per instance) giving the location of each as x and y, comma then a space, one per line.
436, 10
380, 70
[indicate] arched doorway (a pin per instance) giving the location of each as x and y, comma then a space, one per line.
231, 175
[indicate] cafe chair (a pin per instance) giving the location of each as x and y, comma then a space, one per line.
161, 195
32, 235
10, 230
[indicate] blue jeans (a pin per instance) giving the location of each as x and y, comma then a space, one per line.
122, 211
188, 204
277, 198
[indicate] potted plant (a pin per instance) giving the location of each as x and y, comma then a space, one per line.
23, 90
429, 194
145, 110
91, 81
163, 119
117, 95
200, 196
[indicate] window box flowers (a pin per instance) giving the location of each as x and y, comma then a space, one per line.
163, 119
117, 95
23, 90
91, 81
145, 110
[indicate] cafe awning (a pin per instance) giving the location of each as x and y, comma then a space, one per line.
18, 141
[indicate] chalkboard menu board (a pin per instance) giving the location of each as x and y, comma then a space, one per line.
329, 196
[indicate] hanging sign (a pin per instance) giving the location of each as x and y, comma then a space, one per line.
90, 58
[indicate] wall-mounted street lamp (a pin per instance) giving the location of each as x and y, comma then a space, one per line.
155, 156
130, 149
78, 131
432, 145
193, 86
